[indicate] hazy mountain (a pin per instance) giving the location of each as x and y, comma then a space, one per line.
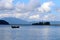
55, 22
15, 21
20, 21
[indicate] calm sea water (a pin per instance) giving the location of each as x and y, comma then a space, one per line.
30, 33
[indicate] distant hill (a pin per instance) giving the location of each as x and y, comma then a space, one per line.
3, 22
55, 22
15, 21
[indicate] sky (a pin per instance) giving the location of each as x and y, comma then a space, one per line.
30, 10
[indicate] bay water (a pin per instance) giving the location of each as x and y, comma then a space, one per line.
29, 33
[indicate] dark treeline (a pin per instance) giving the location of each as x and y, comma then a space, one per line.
41, 23
3, 22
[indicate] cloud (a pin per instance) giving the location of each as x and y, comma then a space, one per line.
6, 4
34, 17
45, 7
49, 17
16, 15
33, 4
22, 7
57, 9
31, 11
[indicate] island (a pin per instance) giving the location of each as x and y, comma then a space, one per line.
41, 23
3, 22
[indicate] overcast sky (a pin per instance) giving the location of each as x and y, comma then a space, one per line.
31, 10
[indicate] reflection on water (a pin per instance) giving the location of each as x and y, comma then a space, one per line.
30, 33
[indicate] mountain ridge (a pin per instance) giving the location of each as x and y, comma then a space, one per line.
15, 21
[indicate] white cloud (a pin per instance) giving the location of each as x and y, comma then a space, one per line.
45, 7
33, 4
21, 7
35, 17
16, 15
24, 11
49, 17
57, 9
6, 4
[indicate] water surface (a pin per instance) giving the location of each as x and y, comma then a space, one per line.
29, 33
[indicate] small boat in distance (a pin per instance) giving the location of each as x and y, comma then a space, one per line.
14, 26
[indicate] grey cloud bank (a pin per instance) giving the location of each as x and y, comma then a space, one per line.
31, 11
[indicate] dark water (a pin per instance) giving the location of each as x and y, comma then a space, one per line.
30, 33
